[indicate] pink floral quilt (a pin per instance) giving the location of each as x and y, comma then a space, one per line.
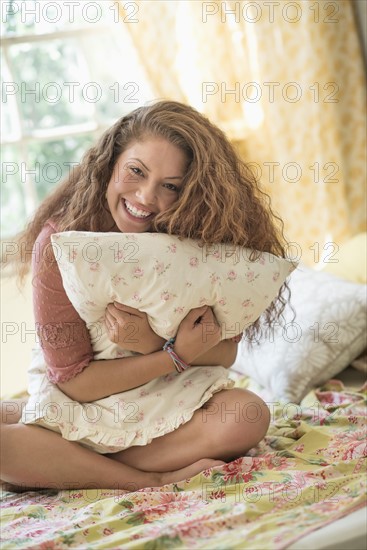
309, 471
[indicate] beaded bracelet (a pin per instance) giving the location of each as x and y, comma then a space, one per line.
180, 365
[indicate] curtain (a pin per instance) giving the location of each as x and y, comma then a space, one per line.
286, 82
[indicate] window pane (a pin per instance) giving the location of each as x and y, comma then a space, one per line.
51, 77
13, 212
51, 160
120, 78
10, 129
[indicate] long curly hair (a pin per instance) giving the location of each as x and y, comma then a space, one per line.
220, 202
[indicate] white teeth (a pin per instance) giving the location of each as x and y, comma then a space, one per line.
135, 211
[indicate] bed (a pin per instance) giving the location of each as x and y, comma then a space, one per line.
289, 492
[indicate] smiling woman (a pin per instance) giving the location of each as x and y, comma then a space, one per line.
142, 185
162, 168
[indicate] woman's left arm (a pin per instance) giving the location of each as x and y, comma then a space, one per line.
223, 354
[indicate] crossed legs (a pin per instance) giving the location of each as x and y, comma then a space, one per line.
34, 457
227, 426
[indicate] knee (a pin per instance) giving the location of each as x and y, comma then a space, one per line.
10, 473
6, 449
241, 421
260, 418
11, 411
253, 424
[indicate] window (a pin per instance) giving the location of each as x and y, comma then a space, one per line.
68, 71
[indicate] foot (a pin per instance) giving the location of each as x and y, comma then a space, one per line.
189, 471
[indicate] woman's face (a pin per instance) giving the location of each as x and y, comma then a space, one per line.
146, 180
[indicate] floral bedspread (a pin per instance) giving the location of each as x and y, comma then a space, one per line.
309, 471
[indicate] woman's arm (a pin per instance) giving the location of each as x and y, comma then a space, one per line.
223, 354
118, 321
103, 378
106, 377
62, 334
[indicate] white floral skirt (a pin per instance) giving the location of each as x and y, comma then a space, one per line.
133, 417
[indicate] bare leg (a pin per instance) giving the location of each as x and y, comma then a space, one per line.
227, 426
174, 450
11, 411
35, 457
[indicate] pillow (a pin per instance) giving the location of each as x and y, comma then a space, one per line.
351, 259
329, 331
165, 277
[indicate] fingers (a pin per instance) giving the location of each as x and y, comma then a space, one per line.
208, 320
126, 309
109, 318
120, 326
195, 315
114, 318
201, 315
122, 313
236, 339
209, 317
111, 326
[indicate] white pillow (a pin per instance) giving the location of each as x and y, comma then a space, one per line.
329, 331
165, 277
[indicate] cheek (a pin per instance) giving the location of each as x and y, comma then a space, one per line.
109, 192
128, 182
167, 202
112, 195
116, 187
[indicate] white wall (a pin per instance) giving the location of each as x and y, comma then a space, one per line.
17, 336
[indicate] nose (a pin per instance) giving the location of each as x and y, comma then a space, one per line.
146, 193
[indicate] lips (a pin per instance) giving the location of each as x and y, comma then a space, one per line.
136, 213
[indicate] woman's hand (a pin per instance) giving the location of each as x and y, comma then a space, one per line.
197, 333
129, 328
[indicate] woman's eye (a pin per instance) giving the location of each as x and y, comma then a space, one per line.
171, 186
136, 171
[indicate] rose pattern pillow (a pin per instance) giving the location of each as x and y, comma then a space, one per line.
164, 276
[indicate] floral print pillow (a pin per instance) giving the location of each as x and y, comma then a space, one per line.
166, 277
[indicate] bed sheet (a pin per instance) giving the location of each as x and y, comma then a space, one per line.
309, 471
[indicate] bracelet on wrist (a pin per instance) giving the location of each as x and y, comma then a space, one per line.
179, 364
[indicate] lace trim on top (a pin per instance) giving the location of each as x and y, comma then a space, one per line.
61, 335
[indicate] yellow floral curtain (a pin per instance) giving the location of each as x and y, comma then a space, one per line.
286, 81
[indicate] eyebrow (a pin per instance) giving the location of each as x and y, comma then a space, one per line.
146, 168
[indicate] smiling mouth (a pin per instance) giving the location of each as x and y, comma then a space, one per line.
137, 212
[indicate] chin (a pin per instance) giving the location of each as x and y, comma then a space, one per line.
128, 228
